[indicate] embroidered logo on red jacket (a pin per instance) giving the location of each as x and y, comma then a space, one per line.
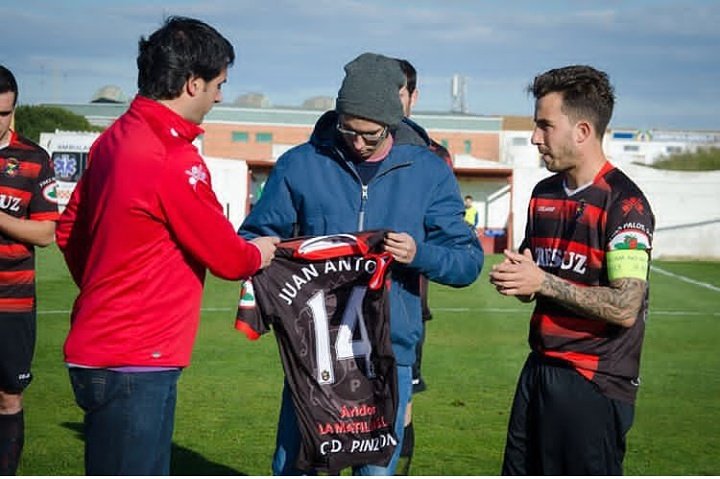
195, 174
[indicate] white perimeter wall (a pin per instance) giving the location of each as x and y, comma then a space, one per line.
686, 207
230, 182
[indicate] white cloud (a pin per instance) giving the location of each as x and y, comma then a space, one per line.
291, 49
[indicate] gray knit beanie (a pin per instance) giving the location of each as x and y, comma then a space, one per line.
370, 89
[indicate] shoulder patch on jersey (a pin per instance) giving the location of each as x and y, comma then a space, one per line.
49, 192
247, 295
633, 203
629, 239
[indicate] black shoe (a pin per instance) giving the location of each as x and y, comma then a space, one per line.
418, 385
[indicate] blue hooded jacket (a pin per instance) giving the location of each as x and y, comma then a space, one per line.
314, 189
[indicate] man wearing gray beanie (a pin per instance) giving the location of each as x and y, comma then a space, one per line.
370, 90
365, 169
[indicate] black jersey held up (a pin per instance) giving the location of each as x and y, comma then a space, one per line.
325, 298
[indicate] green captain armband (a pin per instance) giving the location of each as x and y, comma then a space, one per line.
627, 263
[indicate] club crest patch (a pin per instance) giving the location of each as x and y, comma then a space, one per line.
247, 295
11, 167
49, 192
629, 239
580, 209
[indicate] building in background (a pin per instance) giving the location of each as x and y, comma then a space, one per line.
493, 159
646, 147
257, 135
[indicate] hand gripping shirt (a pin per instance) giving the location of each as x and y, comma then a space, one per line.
590, 237
325, 298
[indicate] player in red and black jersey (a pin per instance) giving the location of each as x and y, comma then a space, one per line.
325, 299
28, 211
585, 260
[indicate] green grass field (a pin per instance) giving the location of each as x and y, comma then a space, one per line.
476, 344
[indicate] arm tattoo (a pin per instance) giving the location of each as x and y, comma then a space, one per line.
618, 303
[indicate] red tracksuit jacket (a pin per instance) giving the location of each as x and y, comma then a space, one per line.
141, 227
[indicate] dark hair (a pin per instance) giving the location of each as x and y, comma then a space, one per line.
586, 93
410, 74
181, 49
8, 83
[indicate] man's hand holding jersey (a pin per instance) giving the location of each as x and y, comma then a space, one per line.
401, 246
267, 246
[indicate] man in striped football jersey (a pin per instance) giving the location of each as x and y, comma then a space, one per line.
28, 211
584, 260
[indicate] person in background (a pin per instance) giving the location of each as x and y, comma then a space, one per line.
363, 169
585, 261
28, 214
408, 98
472, 218
140, 230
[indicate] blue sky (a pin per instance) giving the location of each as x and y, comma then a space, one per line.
663, 56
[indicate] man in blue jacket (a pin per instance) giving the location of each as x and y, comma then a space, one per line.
363, 169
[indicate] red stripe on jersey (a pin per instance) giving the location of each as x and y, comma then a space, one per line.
332, 252
16, 142
553, 207
45, 216
595, 256
16, 305
585, 364
569, 327
30, 169
16, 277
14, 251
378, 278
592, 215
563, 208
24, 195
328, 246
250, 333
600, 181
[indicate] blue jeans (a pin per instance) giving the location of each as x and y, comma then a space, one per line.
129, 420
288, 436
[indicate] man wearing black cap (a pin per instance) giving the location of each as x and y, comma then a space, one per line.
364, 169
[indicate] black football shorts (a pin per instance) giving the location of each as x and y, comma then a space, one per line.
17, 345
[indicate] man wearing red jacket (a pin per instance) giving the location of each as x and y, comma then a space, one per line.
138, 234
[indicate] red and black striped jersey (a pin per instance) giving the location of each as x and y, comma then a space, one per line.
27, 190
570, 235
325, 298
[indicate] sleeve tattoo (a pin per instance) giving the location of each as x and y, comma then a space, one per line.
618, 303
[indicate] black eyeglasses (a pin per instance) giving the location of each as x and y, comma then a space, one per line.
369, 138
